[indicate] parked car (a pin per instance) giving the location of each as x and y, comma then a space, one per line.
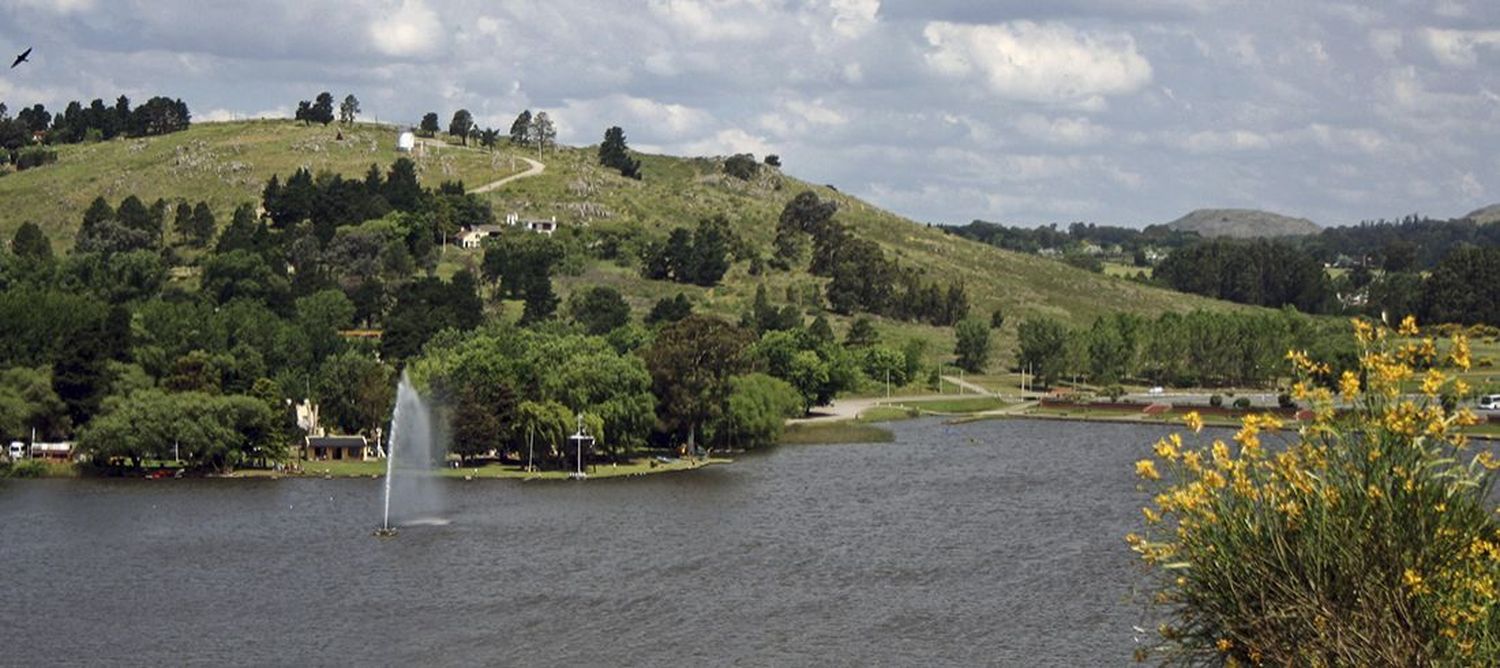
1489, 402
1156, 391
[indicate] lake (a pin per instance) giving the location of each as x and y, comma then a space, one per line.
993, 543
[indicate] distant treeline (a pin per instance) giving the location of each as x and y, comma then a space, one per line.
1438, 270
1201, 348
1034, 240
77, 123
1412, 243
1459, 289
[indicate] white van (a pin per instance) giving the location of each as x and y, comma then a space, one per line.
17, 450
1489, 402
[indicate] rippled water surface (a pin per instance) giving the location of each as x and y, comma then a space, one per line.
996, 543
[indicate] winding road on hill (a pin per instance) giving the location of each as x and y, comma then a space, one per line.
535, 168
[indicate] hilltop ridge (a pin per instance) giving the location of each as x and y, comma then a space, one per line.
228, 163
1243, 224
1485, 215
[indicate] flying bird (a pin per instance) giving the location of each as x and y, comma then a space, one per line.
21, 59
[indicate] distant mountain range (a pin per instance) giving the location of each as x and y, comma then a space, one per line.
1243, 224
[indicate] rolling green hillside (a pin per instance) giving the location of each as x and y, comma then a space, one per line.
228, 163
224, 164
680, 191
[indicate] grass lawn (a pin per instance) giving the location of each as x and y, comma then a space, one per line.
1123, 270
826, 433
958, 405
888, 414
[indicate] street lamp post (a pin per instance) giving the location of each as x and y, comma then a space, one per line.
580, 439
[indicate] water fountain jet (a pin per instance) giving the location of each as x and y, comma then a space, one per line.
409, 477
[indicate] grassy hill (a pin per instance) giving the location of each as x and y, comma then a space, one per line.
1486, 215
223, 164
680, 191
1243, 224
228, 163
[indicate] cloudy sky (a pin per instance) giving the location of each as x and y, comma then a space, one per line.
1116, 111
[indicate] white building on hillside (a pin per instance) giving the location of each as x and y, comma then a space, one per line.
474, 237
546, 227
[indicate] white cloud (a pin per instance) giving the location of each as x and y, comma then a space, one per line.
220, 115
1039, 62
1470, 186
56, 6
1068, 131
1459, 48
1386, 42
411, 30
1223, 141
854, 18
653, 122
711, 20
727, 142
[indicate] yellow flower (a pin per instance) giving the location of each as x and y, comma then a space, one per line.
1147, 469
1349, 385
1299, 390
1460, 353
1409, 326
1432, 383
1213, 479
1193, 460
1193, 421
1364, 332
1151, 515
1221, 455
1487, 460
1166, 450
1224, 645
1413, 581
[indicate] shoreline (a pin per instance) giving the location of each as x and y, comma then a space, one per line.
375, 470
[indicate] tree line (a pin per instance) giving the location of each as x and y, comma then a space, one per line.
1279, 273
862, 279
528, 129
77, 123
1196, 349
102, 336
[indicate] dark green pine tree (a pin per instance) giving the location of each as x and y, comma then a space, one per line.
615, 154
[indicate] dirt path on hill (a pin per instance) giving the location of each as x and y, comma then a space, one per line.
535, 168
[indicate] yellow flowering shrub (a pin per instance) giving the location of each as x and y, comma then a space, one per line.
1362, 536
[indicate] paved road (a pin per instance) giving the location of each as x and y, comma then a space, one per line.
970, 387
849, 409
